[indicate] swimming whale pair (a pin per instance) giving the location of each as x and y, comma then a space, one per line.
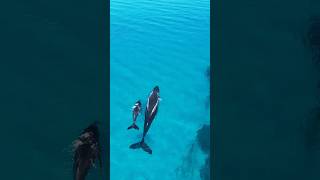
86, 151
150, 114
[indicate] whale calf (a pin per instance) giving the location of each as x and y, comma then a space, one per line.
135, 112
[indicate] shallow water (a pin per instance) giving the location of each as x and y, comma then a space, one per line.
163, 43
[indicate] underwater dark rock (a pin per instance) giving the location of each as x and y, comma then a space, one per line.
186, 170
201, 143
205, 170
203, 138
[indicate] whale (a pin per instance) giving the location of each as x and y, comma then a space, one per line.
150, 114
135, 112
86, 151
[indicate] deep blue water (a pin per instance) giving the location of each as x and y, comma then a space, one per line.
163, 43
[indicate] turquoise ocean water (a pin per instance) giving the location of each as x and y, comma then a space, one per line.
163, 43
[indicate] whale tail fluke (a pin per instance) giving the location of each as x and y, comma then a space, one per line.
135, 145
146, 148
134, 126
142, 145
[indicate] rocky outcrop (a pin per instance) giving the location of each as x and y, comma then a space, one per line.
203, 138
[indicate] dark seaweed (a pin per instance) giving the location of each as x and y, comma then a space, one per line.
205, 170
203, 138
